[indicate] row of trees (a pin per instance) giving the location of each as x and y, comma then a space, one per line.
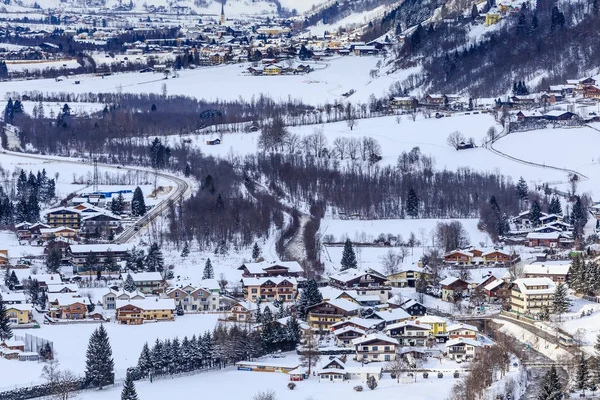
21, 202
224, 346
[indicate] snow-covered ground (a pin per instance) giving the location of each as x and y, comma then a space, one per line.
41, 65
330, 80
351, 21
70, 343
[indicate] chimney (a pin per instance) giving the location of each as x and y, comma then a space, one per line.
417, 322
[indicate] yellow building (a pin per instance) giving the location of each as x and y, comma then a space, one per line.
492, 17
530, 295
19, 313
408, 278
272, 70
269, 289
438, 325
325, 314
135, 312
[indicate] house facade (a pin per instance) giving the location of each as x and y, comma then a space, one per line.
409, 333
194, 299
135, 312
365, 283
270, 289
325, 314
462, 349
375, 347
453, 288
531, 295
19, 314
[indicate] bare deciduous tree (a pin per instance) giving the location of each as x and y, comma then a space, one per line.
390, 261
310, 356
454, 139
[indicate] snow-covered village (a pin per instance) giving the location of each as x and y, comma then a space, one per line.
299, 199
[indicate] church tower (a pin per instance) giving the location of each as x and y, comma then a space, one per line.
222, 12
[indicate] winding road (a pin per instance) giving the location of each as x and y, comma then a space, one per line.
183, 190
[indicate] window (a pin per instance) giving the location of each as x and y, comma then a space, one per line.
387, 357
254, 290
375, 348
387, 348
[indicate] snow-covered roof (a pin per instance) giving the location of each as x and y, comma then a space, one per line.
57, 287
493, 285
458, 341
261, 281
148, 304
20, 307
344, 304
45, 278
145, 276
362, 322
346, 329
372, 337
57, 229
353, 273
547, 269
412, 324
392, 314
457, 327
525, 285
261, 267
65, 299
449, 280
431, 319
13, 297
210, 284
409, 303
99, 248
542, 235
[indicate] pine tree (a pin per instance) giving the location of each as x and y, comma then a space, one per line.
554, 207
138, 204
5, 330
186, 250
116, 205
14, 281
576, 275
535, 213
129, 285
154, 260
99, 365
255, 251
579, 218
145, 365
582, 374
179, 309
309, 296
129, 392
561, 302
522, 188
551, 388
412, 204
348, 256
156, 356
208, 273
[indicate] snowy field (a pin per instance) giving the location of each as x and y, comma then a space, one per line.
36, 66
71, 342
353, 20
327, 83
574, 149
249, 383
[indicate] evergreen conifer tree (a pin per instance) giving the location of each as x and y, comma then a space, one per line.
535, 213
309, 296
156, 356
208, 273
14, 281
138, 204
561, 302
522, 188
551, 388
129, 285
186, 250
179, 309
348, 256
255, 251
579, 218
5, 329
154, 260
554, 207
99, 365
129, 392
412, 204
145, 361
582, 374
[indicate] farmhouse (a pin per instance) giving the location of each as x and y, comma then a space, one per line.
558, 272
265, 269
135, 312
323, 315
530, 295
453, 288
375, 347
270, 289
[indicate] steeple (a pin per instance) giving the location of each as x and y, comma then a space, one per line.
222, 12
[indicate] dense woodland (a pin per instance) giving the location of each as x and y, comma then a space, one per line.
558, 39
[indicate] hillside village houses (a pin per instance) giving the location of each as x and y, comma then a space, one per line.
531, 295
136, 312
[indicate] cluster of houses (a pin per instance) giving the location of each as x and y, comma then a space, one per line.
548, 231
